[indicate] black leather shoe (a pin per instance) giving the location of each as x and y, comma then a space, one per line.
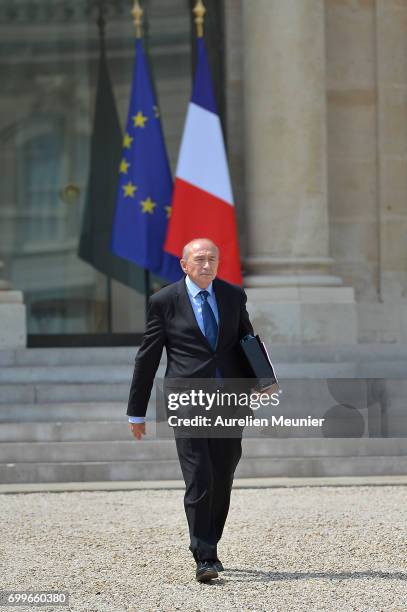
205, 571
218, 566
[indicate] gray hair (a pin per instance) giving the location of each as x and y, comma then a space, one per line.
187, 248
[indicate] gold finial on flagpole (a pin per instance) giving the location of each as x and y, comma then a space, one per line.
137, 13
199, 12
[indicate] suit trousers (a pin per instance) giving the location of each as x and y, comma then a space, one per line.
208, 466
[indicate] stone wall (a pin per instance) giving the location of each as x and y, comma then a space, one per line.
364, 70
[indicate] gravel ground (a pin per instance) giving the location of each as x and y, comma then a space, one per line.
287, 549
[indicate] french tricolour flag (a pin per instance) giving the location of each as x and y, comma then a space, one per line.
202, 201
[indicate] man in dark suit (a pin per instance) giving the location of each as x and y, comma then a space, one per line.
200, 321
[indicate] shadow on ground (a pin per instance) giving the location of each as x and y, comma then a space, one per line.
244, 575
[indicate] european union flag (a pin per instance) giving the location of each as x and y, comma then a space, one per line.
145, 185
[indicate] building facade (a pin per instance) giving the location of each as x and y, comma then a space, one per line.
313, 96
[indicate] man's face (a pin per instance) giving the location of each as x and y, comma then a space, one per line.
202, 263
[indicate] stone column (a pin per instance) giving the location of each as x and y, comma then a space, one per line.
13, 331
288, 261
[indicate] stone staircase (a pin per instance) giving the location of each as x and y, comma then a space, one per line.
62, 418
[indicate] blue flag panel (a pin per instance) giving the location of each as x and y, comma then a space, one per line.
145, 185
202, 92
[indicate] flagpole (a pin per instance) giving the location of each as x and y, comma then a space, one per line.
198, 18
101, 22
137, 13
199, 11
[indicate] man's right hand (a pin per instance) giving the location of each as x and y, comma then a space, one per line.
138, 430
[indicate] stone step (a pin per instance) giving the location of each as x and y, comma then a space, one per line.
64, 412
109, 423
14, 377
170, 470
105, 390
37, 376
78, 374
69, 412
62, 392
281, 353
65, 374
68, 356
62, 415
156, 450
58, 431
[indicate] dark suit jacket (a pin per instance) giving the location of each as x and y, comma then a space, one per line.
171, 323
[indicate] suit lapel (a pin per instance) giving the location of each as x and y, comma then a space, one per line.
221, 304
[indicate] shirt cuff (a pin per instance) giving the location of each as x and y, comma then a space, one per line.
136, 419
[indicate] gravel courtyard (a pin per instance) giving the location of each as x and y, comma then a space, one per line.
285, 549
